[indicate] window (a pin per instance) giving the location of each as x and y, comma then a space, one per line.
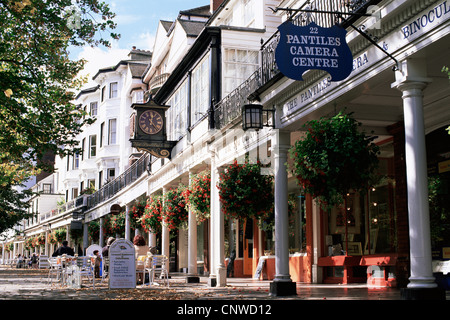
83, 144
74, 193
93, 110
111, 174
177, 114
113, 90
47, 188
100, 178
248, 14
239, 65
91, 183
92, 146
200, 90
76, 161
103, 94
112, 134
102, 132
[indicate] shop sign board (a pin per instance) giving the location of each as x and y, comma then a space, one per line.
122, 265
303, 48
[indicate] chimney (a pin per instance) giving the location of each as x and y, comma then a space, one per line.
214, 4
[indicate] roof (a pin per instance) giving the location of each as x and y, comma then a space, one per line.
192, 28
138, 63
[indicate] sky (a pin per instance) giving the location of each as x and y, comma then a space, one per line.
137, 22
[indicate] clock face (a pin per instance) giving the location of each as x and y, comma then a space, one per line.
150, 122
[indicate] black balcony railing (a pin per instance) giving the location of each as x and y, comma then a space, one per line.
125, 179
324, 13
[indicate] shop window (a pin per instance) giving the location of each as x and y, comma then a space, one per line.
366, 223
297, 223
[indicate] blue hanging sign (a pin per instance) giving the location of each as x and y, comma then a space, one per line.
313, 47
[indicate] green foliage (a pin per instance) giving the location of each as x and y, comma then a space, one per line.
333, 158
175, 214
152, 217
37, 84
245, 193
198, 195
439, 204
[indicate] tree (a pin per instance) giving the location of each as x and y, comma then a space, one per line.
37, 85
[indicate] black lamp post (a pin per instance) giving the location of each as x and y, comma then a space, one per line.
252, 117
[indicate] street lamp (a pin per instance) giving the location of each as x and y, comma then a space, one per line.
255, 117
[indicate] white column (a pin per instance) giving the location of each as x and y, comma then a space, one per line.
127, 223
85, 237
411, 82
282, 283
101, 236
165, 250
192, 243
217, 227
151, 239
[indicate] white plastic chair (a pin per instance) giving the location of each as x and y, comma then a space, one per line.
140, 267
105, 267
157, 264
55, 269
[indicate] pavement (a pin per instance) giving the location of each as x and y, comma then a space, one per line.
188, 299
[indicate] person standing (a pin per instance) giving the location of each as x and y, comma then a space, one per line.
64, 249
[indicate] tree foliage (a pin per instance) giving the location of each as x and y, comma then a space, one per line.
37, 85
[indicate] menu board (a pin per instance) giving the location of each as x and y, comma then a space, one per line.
122, 264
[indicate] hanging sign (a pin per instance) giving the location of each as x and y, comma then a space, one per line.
122, 264
313, 47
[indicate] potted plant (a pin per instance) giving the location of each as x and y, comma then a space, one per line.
244, 192
333, 158
198, 194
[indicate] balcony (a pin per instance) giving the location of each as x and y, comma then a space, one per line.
110, 189
157, 82
332, 12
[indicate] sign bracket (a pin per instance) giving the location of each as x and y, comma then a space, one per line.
340, 14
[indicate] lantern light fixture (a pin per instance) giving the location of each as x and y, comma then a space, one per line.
255, 117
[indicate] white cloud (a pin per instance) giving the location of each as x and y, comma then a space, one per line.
98, 58
145, 41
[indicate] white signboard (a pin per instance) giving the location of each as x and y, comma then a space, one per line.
122, 264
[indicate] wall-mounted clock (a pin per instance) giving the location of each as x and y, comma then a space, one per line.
149, 129
150, 122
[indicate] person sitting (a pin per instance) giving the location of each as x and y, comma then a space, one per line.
141, 250
64, 249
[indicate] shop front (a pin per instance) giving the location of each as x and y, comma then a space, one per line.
372, 238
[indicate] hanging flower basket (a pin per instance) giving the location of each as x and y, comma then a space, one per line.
175, 214
29, 243
117, 223
152, 217
334, 158
198, 195
51, 238
94, 230
60, 234
245, 193
135, 213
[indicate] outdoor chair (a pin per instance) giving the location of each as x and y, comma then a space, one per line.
157, 264
140, 268
105, 267
55, 269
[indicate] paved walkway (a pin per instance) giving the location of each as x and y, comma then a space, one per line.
198, 300
17, 284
